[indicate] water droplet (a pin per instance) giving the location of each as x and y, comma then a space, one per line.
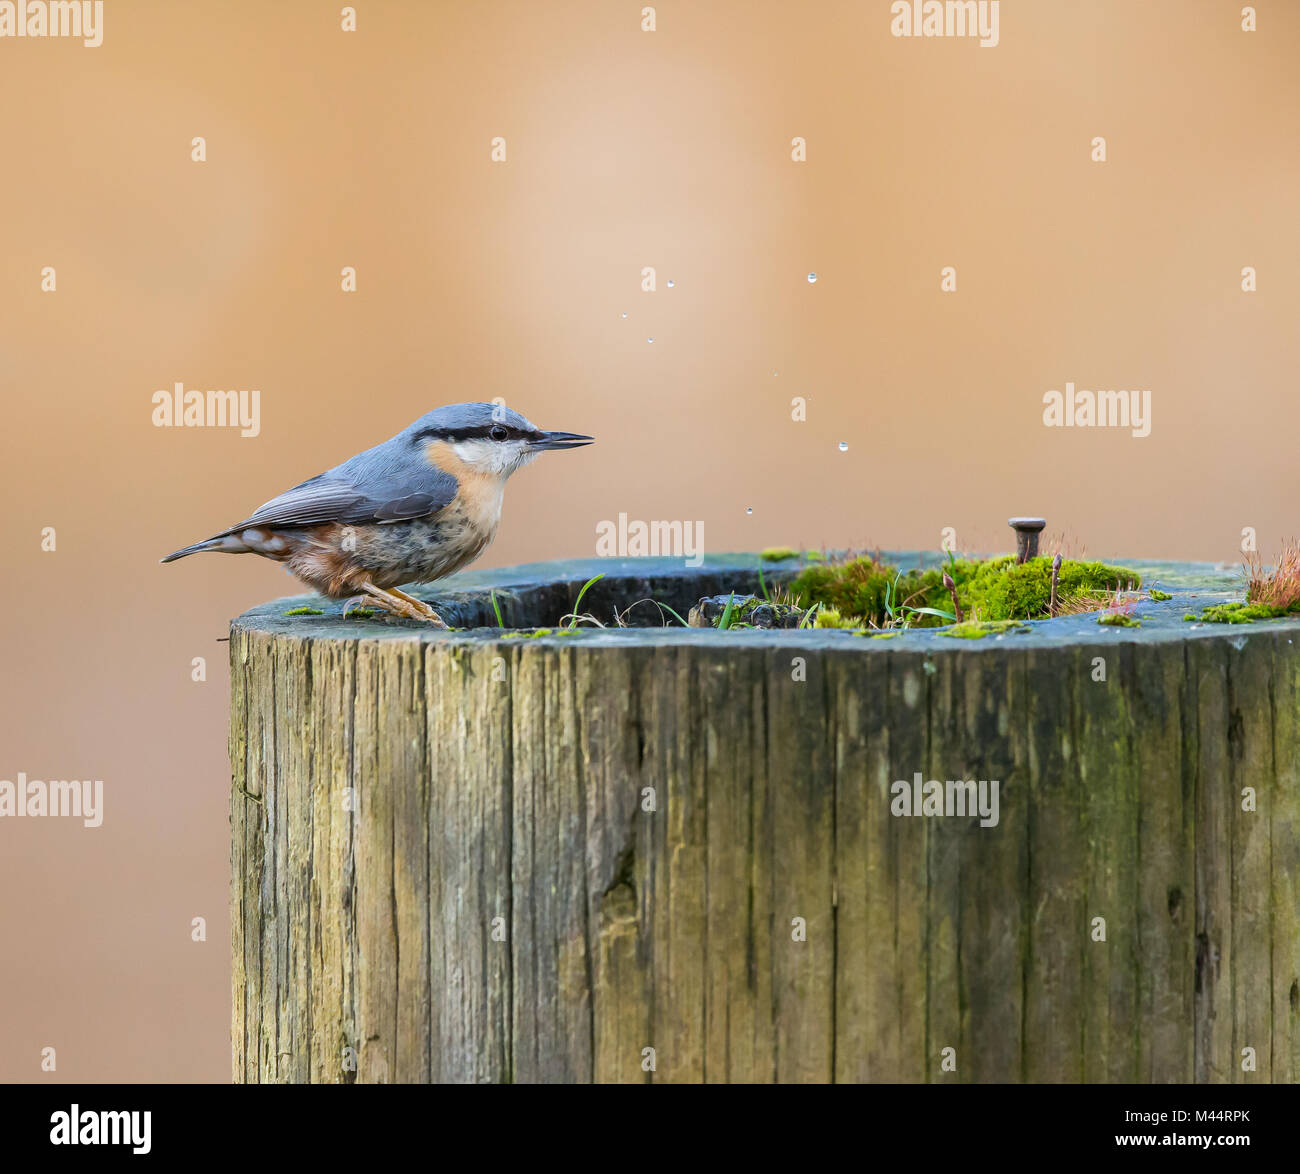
649, 340
775, 374
623, 314
812, 278
671, 283
844, 446
750, 510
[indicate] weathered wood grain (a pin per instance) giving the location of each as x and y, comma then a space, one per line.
667, 857
1166, 845
1284, 862
1106, 740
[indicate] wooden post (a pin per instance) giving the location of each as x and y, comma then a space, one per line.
669, 855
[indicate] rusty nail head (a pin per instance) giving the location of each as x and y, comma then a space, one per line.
1027, 531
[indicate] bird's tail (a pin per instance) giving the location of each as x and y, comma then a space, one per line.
207, 544
223, 542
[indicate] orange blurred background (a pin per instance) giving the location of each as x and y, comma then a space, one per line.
625, 149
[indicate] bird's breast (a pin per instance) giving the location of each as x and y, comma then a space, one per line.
448, 540
478, 503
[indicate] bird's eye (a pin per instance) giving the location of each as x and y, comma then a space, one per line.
498, 432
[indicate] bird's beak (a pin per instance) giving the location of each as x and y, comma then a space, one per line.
560, 440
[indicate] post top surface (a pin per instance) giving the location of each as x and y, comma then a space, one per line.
464, 600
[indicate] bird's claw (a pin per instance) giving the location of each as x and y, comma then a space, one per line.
400, 604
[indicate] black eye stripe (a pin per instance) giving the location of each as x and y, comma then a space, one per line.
483, 432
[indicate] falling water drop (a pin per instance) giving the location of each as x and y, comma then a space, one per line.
844, 446
750, 510
623, 314
812, 278
649, 340
671, 283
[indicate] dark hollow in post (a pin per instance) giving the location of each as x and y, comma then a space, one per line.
1027, 530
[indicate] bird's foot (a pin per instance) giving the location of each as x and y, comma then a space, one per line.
425, 610
357, 603
401, 604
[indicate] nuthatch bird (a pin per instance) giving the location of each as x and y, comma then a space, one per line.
415, 508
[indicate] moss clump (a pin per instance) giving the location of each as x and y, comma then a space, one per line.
1000, 589
1189, 616
742, 611
776, 554
304, 611
828, 617
992, 589
978, 629
1240, 613
863, 588
742, 608
1117, 619
1159, 594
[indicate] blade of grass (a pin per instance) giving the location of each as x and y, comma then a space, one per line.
810, 615
889, 595
577, 603
763, 586
496, 607
672, 613
724, 621
932, 611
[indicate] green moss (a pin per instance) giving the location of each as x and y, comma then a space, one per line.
1159, 594
978, 629
1189, 616
361, 613
1117, 619
828, 617
776, 554
1246, 613
992, 589
1240, 613
861, 587
815, 556
1001, 589
305, 611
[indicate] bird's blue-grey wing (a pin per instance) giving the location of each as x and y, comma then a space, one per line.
357, 493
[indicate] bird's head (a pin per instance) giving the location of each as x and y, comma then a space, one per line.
488, 439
